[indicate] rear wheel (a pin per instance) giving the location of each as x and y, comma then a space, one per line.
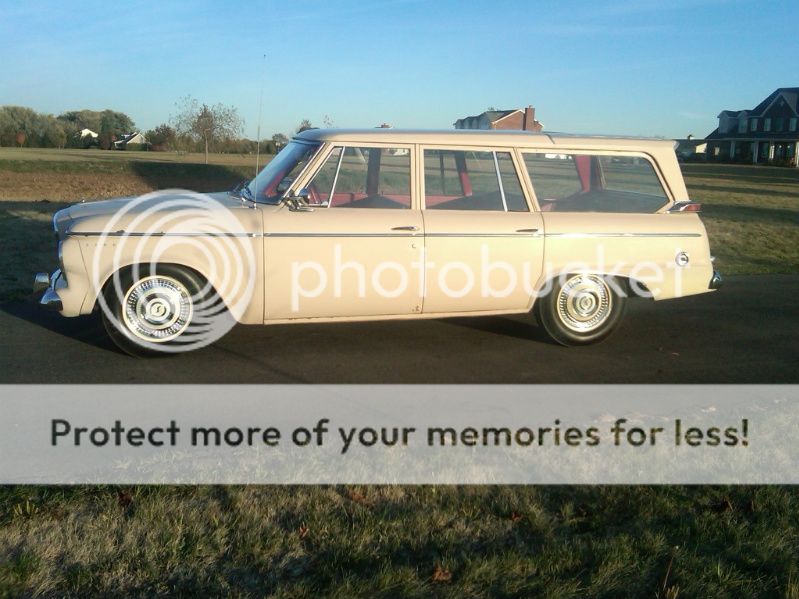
581, 308
154, 310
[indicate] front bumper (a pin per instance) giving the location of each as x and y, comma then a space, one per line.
715, 281
50, 284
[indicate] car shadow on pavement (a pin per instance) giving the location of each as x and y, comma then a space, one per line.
86, 329
522, 327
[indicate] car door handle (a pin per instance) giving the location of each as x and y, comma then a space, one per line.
405, 228
527, 230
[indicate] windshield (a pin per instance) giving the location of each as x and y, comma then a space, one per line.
277, 176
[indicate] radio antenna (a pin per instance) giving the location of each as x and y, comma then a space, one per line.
260, 106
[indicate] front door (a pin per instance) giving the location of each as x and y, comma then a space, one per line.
352, 248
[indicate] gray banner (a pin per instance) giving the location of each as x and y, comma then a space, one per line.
447, 434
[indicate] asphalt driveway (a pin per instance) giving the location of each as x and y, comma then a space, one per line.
745, 333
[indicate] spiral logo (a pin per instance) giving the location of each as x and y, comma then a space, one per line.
174, 270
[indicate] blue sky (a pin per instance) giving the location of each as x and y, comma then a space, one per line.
637, 67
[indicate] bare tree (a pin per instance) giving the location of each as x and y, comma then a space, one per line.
206, 124
304, 126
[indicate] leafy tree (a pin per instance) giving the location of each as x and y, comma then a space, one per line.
162, 137
113, 125
15, 120
52, 134
109, 124
206, 124
22, 126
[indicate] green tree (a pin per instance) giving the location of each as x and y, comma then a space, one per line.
15, 120
162, 138
206, 124
305, 124
113, 125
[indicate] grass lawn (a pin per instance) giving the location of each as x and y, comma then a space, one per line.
400, 541
751, 214
509, 541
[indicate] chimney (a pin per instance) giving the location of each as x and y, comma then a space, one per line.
529, 119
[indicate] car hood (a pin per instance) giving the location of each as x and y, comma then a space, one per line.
161, 213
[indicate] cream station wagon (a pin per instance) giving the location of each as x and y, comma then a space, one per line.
390, 224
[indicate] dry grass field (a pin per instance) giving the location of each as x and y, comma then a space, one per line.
664, 542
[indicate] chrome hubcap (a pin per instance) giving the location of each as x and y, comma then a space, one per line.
584, 303
157, 309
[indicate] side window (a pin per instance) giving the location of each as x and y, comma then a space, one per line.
593, 183
632, 174
461, 180
363, 178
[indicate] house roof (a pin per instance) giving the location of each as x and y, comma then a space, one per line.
791, 95
492, 115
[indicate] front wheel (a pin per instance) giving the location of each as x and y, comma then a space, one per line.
581, 308
160, 310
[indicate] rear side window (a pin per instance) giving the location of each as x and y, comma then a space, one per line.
594, 183
466, 180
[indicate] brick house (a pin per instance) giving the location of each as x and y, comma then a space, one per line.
767, 133
516, 119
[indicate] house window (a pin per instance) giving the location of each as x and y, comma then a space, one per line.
753, 125
779, 123
793, 124
767, 124
742, 126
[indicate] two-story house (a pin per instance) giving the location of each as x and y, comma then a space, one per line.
514, 119
767, 133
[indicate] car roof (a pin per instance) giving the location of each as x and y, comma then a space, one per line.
470, 137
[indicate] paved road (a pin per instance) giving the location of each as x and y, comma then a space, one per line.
745, 333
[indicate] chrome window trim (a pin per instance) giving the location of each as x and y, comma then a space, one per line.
499, 182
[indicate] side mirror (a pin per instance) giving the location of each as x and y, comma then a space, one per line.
298, 202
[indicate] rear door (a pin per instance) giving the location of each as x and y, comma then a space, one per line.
483, 243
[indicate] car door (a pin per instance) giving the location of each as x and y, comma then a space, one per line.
483, 244
348, 249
